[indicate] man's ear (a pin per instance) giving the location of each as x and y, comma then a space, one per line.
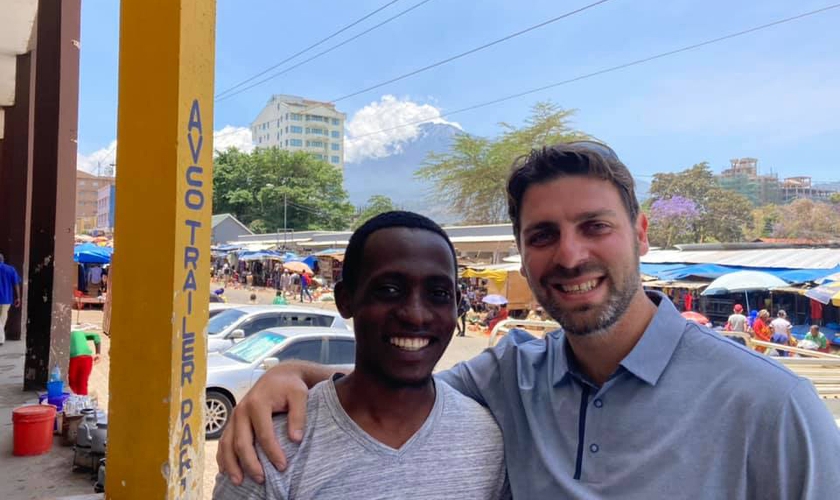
343, 300
641, 229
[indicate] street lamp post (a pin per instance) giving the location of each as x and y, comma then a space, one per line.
285, 206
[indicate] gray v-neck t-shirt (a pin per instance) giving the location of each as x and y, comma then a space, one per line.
457, 453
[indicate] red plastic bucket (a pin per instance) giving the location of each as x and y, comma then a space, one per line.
33, 429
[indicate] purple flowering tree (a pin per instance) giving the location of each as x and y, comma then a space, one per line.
672, 219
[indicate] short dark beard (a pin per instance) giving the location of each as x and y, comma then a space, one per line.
620, 298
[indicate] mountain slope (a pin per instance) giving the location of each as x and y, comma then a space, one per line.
393, 175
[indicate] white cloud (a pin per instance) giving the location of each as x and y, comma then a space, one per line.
369, 133
99, 161
230, 136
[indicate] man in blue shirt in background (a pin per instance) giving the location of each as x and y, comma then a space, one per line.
630, 401
9, 294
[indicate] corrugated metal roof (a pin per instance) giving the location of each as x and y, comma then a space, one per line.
791, 258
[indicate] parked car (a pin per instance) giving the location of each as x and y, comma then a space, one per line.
231, 373
217, 307
236, 323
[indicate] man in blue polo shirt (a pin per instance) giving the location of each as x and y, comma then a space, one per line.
631, 401
9, 294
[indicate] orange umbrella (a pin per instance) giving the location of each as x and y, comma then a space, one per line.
696, 317
298, 267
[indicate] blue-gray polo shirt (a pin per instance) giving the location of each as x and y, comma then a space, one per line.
688, 414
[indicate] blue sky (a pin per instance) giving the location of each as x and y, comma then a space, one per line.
773, 95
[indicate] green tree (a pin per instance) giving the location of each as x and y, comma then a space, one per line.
471, 176
764, 222
376, 204
262, 187
724, 215
834, 198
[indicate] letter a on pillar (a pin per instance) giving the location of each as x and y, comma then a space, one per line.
164, 188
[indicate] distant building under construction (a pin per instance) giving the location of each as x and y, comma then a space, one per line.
743, 177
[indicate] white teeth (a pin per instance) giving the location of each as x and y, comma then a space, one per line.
580, 288
409, 343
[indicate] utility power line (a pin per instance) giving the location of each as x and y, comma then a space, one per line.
310, 210
471, 51
324, 52
609, 70
307, 49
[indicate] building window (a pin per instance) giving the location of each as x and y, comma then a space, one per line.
314, 144
335, 146
296, 129
278, 136
335, 121
335, 134
295, 142
335, 159
278, 123
297, 117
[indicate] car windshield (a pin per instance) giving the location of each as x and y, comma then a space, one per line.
251, 349
223, 320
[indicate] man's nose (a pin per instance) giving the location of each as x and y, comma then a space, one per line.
415, 311
570, 251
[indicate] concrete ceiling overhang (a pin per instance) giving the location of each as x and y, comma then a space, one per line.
17, 23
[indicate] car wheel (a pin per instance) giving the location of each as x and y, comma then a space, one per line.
218, 409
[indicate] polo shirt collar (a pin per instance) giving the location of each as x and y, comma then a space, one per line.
654, 350
649, 356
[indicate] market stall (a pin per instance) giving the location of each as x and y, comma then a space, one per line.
330, 264
505, 280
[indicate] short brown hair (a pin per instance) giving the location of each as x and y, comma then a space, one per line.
572, 159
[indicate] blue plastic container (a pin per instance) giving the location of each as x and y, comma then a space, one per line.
55, 389
57, 402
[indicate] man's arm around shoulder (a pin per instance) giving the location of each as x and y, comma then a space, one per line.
277, 484
480, 378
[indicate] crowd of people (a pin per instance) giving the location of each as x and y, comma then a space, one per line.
778, 331
287, 284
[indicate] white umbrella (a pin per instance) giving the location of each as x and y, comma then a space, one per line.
743, 281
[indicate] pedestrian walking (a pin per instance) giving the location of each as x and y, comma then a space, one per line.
305, 281
9, 294
463, 308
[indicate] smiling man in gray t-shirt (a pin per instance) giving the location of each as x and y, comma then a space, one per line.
388, 430
457, 453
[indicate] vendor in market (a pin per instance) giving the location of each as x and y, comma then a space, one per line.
818, 338
82, 359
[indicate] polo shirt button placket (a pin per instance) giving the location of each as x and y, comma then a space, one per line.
594, 448
598, 403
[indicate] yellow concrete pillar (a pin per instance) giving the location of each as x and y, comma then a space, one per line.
162, 235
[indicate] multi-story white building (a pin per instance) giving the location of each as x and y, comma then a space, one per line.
297, 124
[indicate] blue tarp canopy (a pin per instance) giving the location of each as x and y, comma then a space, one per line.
309, 261
670, 272
88, 253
